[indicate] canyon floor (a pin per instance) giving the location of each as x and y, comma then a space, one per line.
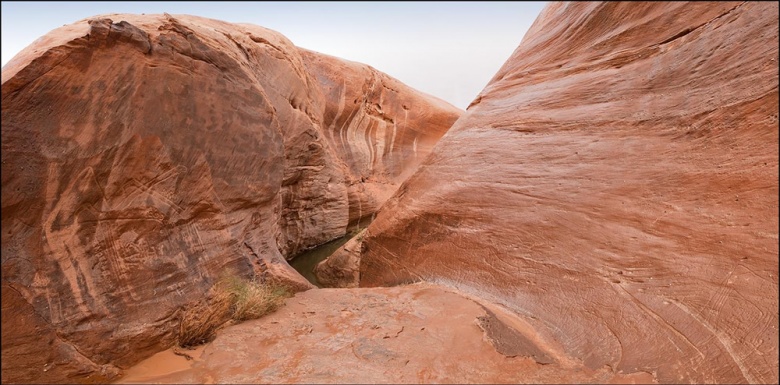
418, 333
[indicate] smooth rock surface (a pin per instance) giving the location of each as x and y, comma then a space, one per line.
415, 334
616, 186
143, 155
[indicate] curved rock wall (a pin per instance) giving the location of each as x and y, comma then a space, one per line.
144, 155
386, 127
616, 185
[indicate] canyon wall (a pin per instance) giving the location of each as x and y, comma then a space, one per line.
145, 155
616, 185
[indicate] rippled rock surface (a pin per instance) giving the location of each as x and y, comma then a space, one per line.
615, 185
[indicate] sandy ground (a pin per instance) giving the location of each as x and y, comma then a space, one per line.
418, 333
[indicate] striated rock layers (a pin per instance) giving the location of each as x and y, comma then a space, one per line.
144, 156
615, 185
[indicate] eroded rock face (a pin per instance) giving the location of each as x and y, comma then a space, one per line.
616, 186
142, 156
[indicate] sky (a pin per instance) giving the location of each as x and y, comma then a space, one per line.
447, 49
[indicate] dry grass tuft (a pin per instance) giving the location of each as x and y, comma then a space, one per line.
252, 299
232, 298
200, 322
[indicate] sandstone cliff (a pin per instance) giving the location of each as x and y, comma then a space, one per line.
615, 185
144, 155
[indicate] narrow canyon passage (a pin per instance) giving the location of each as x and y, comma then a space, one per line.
605, 211
305, 262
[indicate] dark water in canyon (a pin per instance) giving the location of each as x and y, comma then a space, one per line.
305, 262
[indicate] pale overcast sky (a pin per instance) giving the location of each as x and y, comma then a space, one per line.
447, 49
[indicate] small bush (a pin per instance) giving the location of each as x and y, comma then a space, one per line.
232, 298
252, 299
199, 323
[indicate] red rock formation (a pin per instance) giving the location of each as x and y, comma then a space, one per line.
616, 186
142, 157
385, 127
